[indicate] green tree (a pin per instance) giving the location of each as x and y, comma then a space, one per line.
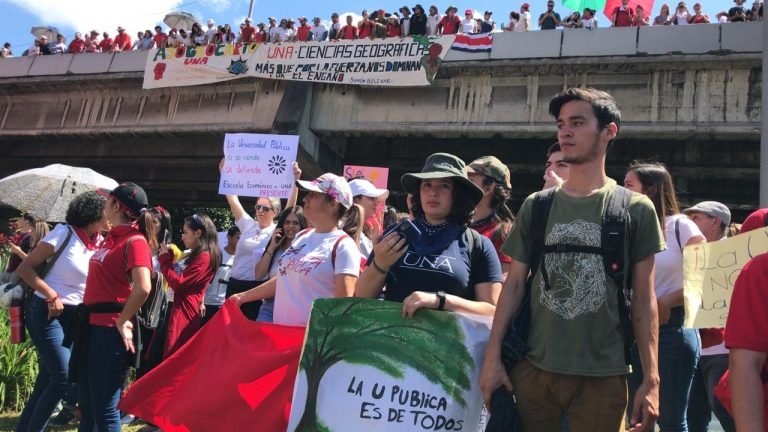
369, 332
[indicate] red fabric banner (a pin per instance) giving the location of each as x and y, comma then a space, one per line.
234, 374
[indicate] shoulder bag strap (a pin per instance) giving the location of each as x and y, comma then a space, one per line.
55, 256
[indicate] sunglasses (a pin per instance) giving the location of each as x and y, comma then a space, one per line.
264, 208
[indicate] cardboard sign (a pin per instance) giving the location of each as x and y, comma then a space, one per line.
711, 270
258, 165
410, 61
366, 368
376, 175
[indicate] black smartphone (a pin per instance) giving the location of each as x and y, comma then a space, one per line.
408, 231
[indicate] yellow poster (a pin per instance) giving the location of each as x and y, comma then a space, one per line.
711, 270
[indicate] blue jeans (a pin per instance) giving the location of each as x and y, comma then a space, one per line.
703, 402
101, 380
679, 350
52, 381
267, 311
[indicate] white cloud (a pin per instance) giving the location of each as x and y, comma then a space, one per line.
218, 5
83, 16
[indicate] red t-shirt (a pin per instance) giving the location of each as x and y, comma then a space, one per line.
247, 34
623, 17
76, 46
393, 30
747, 325
348, 32
159, 40
260, 37
366, 29
698, 19
106, 45
123, 41
487, 229
450, 26
108, 273
302, 32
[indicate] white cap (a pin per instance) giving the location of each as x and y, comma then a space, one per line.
210, 21
366, 188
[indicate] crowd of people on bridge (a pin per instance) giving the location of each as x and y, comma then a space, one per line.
482, 258
379, 24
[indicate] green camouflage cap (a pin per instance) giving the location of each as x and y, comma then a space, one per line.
492, 167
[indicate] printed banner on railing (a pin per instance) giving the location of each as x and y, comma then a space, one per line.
711, 270
382, 62
366, 368
258, 165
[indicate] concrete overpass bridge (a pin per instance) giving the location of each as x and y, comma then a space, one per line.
690, 97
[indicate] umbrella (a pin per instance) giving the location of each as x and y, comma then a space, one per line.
610, 5
46, 192
180, 20
580, 5
49, 32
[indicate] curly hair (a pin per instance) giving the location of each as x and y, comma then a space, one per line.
85, 209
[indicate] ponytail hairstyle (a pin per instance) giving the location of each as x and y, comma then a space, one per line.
501, 213
208, 242
146, 226
352, 222
658, 187
39, 230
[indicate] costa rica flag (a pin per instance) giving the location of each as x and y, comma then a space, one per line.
476, 42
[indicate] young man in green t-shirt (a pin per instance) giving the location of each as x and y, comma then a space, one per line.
576, 365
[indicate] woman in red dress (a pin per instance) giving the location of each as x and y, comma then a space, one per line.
199, 235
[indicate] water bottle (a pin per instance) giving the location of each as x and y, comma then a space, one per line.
17, 322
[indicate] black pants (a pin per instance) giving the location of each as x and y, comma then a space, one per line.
235, 286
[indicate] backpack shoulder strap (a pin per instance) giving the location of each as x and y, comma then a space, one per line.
677, 234
333, 251
542, 204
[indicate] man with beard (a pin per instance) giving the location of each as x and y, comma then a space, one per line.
576, 363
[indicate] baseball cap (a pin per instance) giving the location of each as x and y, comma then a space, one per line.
211, 21
713, 209
468, 12
366, 188
526, 6
334, 15
755, 220
120, 28
302, 18
492, 167
130, 195
330, 184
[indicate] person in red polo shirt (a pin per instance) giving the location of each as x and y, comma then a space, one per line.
623, 15
159, 39
449, 24
77, 45
122, 41
349, 31
247, 32
117, 285
303, 31
106, 44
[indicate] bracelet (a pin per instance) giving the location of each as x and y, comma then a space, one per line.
377, 268
268, 253
52, 299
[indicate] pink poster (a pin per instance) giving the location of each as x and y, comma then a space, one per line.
376, 175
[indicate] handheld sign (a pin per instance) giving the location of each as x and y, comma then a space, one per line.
258, 165
711, 270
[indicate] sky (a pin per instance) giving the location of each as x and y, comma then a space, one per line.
70, 16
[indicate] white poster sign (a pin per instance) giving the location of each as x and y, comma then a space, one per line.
258, 165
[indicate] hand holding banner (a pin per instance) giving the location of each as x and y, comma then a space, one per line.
258, 165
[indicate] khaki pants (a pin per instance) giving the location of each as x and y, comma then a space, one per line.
591, 404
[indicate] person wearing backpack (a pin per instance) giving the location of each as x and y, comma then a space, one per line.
50, 309
448, 266
679, 347
322, 261
577, 247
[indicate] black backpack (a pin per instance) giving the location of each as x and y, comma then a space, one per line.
612, 249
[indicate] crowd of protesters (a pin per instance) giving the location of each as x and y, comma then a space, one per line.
459, 248
407, 21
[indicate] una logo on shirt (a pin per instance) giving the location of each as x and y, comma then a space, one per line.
433, 263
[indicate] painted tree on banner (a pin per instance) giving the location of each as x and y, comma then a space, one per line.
368, 332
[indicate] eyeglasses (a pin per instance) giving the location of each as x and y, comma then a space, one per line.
264, 208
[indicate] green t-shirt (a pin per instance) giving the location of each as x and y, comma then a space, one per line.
575, 325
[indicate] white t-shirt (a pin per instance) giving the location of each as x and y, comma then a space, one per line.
682, 18
669, 263
280, 34
366, 246
589, 23
318, 31
468, 25
307, 273
432, 22
252, 242
525, 21
217, 290
68, 274
210, 33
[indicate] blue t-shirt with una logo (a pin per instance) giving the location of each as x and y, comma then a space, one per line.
451, 270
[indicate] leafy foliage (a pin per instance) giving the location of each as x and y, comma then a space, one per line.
221, 217
18, 368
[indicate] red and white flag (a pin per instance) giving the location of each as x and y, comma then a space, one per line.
479, 42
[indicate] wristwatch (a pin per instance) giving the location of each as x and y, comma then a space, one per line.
441, 299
